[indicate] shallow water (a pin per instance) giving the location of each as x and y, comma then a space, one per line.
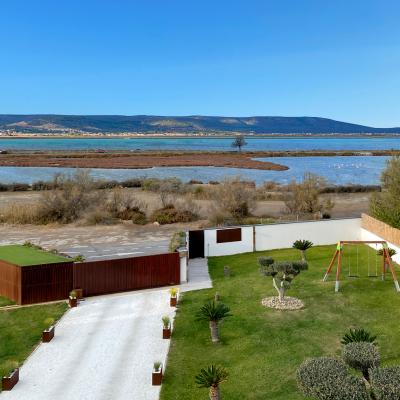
205, 143
337, 170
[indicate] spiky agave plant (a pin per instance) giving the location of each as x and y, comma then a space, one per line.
211, 377
302, 245
358, 335
213, 313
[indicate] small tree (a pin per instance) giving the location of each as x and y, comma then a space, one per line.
238, 142
282, 273
213, 313
302, 245
385, 206
211, 377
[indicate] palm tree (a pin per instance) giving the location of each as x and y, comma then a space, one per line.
302, 245
211, 377
213, 313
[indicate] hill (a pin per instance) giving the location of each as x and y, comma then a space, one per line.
179, 125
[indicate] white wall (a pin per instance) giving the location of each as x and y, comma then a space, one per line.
367, 235
279, 236
212, 248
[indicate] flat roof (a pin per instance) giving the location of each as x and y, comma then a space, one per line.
24, 255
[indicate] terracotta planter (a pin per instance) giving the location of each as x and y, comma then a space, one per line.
166, 333
173, 301
73, 302
156, 377
48, 334
79, 293
8, 382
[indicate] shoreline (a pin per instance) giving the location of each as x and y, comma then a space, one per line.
151, 159
33, 136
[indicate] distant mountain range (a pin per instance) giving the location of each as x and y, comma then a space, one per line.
196, 124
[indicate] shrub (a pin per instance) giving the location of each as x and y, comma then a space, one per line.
170, 215
302, 245
385, 383
361, 356
124, 205
99, 217
358, 335
385, 206
392, 252
132, 183
178, 240
329, 379
234, 199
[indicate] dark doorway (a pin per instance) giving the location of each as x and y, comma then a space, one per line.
196, 244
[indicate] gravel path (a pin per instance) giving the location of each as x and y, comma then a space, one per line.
103, 350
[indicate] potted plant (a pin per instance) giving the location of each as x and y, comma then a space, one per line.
174, 297
156, 377
48, 333
79, 293
166, 327
73, 299
9, 381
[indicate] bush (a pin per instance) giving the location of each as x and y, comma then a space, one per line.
358, 335
99, 217
361, 356
170, 215
329, 379
138, 217
385, 383
178, 240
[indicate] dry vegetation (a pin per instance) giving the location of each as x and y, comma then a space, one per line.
79, 198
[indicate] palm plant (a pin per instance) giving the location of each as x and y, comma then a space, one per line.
358, 335
302, 245
213, 313
211, 377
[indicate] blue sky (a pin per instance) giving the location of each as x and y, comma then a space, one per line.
336, 59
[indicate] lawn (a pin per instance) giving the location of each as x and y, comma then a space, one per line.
24, 255
21, 330
262, 348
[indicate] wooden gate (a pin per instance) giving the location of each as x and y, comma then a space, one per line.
196, 244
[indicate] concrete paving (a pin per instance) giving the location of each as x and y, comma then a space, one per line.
198, 276
102, 350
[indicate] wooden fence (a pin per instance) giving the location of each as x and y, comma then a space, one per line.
379, 228
49, 282
119, 275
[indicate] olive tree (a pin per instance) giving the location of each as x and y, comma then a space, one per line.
282, 273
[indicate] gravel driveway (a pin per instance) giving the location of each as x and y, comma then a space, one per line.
103, 350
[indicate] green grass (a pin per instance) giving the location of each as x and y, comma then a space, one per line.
21, 330
262, 348
4, 301
24, 255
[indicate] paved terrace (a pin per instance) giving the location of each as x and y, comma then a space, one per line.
105, 348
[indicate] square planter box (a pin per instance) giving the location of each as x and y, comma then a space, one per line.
166, 333
173, 301
156, 377
48, 334
8, 382
73, 302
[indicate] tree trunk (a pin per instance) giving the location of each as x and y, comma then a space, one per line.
280, 290
303, 255
214, 393
214, 331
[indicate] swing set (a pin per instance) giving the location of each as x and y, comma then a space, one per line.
385, 263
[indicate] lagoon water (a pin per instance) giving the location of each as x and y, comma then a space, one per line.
203, 143
337, 170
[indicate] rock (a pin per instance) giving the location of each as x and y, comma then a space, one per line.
156, 223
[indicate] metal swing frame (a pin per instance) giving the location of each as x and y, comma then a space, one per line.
386, 260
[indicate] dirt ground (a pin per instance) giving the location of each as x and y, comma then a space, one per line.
135, 160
